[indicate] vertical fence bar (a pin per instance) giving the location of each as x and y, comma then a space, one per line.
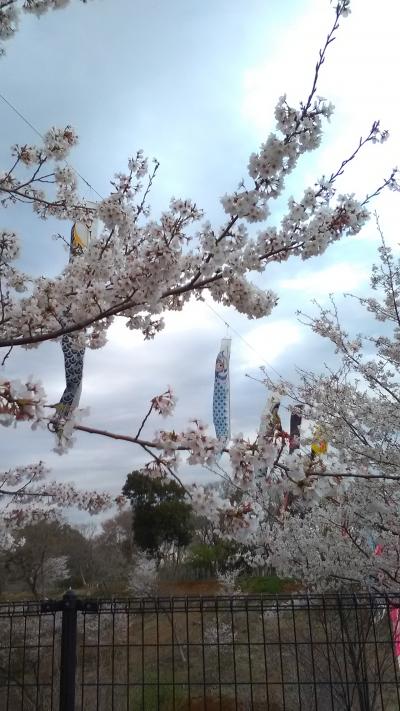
68, 651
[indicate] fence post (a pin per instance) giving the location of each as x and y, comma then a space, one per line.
68, 651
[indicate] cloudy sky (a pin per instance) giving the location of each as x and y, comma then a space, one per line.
194, 84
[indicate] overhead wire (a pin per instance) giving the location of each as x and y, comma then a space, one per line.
239, 335
38, 133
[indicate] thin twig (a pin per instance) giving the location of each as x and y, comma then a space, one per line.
7, 355
124, 438
161, 462
146, 417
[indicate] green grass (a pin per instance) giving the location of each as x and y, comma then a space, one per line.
271, 584
161, 698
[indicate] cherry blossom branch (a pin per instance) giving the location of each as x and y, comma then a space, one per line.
372, 136
149, 445
354, 475
341, 9
141, 206
146, 417
21, 491
219, 261
338, 338
124, 438
128, 438
7, 355
18, 493
119, 309
387, 263
163, 464
391, 182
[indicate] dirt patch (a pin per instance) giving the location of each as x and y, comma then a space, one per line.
189, 587
226, 704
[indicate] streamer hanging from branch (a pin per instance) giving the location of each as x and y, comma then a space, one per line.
296, 417
270, 428
319, 444
81, 235
270, 423
221, 400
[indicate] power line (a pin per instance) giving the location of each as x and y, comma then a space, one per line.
265, 362
35, 130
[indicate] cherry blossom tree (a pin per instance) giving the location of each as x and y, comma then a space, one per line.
140, 267
351, 534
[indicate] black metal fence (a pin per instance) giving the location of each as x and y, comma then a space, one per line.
269, 653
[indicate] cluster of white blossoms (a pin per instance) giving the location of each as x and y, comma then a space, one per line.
58, 142
353, 541
332, 521
141, 267
64, 426
16, 280
21, 402
17, 476
245, 461
201, 448
51, 188
8, 21
245, 297
28, 155
111, 211
257, 467
141, 270
301, 131
9, 249
232, 521
328, 521
26, 494
66, 495
249, 204
165, 403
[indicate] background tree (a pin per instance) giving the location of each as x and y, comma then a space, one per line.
112, 554
117, 532
344, 529
45, 554
37, 561
162, 518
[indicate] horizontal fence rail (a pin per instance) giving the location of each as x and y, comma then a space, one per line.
270, 653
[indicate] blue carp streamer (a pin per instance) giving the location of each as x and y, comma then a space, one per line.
73, 355
221, 400
73, 362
